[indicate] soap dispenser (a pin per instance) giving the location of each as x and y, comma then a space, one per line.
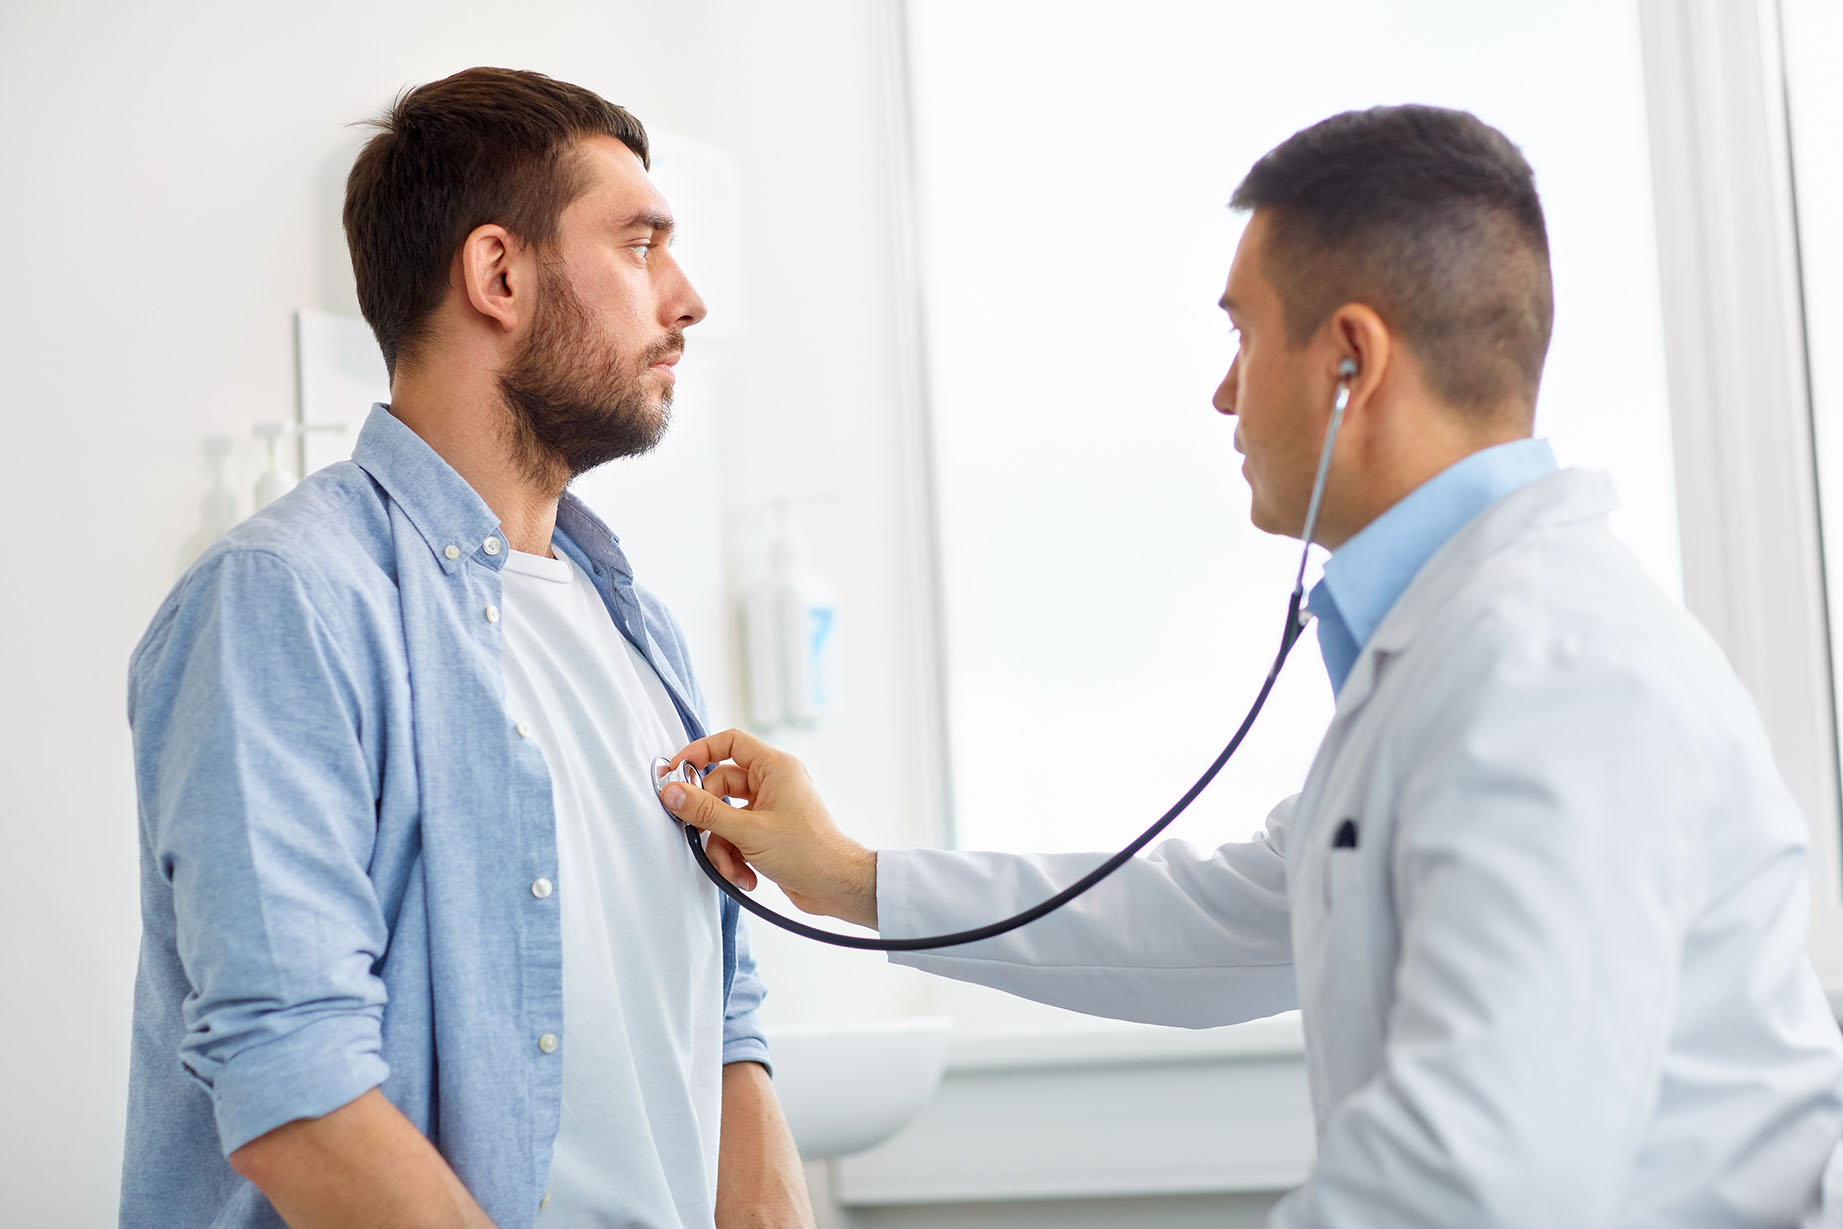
276, 480
790, 640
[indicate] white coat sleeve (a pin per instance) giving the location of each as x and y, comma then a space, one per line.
1544, 859
1173, 937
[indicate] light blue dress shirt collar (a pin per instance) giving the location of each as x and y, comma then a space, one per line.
1364, 577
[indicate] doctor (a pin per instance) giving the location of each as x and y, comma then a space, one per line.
1542, 896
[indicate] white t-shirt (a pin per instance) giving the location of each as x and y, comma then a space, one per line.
642, 947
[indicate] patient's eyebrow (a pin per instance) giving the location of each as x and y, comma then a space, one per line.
653, 221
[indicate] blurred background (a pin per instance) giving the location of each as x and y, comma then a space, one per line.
962, 259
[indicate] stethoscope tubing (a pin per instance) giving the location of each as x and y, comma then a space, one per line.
1294, 626
1296, 619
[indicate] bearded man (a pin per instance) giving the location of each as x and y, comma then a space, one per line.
416, 949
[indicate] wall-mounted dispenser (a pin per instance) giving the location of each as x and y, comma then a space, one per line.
789, 638
278, 476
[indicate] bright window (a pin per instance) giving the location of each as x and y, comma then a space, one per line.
1108, 610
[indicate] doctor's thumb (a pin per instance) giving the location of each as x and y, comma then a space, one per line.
694, 806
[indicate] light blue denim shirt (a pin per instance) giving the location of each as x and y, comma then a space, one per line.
340, 833
1364, 576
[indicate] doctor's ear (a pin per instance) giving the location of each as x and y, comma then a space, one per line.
1363, 348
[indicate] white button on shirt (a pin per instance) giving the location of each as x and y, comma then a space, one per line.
490, 546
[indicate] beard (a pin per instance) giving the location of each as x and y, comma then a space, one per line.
574, 405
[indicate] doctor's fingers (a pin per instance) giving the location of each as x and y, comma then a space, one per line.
729, 862
738, 745
729, 780
774, 781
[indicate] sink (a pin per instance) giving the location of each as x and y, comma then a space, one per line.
848, 1087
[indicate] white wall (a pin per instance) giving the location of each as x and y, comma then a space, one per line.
172, 179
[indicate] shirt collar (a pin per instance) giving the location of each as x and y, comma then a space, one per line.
586, 536
1364, 577
449, 514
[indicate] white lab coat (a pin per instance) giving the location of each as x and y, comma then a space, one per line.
1560, 980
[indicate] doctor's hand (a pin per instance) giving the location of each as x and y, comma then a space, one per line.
783, 831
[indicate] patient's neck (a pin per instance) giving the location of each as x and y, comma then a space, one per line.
459, 413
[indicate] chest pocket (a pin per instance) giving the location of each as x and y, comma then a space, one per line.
1353, 973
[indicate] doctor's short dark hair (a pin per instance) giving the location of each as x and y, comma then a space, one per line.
484, 145
1428, 216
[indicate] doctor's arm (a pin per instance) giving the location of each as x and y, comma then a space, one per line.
1544, 856
1175, 937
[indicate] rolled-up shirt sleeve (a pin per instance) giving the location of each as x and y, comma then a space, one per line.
257, 806
743, 1041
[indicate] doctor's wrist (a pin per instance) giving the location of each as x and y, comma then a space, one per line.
855, 895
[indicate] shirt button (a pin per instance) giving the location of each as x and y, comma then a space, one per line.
548, 1043
524, 731
490, 546
544, 1202
541, 889
492, 614
451, 552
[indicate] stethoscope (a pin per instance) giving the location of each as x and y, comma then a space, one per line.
1297, 617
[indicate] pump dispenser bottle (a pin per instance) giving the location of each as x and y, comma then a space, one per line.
276, 480
790, 620
279, 478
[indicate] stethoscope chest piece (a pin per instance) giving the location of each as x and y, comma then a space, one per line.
664, 774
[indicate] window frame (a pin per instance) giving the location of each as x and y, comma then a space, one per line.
1741, 406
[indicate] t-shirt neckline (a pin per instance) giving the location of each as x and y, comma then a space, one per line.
539, 567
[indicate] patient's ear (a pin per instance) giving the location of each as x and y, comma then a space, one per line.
496, 275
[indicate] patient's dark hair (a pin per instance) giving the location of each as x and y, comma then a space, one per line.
1428, 216
485, 145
